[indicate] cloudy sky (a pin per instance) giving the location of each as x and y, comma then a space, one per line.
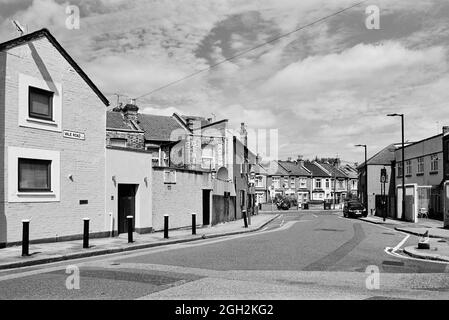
324, 88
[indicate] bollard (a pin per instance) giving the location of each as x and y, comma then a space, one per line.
129, 220
25, 238
86, 233
166, 226
193, 223
245, 218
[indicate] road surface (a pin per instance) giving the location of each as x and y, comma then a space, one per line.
300, 255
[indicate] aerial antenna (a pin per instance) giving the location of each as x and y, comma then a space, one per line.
19, 27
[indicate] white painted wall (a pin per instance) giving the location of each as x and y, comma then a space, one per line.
129, 167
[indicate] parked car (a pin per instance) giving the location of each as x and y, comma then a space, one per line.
354, 209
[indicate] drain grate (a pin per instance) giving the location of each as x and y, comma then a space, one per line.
393, 263
332, 230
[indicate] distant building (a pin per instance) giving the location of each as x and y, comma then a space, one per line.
423, 178
385, 158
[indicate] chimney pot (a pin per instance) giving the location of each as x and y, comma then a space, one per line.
445, 130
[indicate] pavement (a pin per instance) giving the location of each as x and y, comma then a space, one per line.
439, 251
439, 236
11, 257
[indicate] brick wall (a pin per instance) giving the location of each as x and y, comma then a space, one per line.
2, 146
178, 200
82, 111
134, 140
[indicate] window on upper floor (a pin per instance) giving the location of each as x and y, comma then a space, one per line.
292, 182
399, 166
259, 182
420, 165
302, 183
327, 184
207, 157
285, 182
34, 175
408, 167
276, 182
40, 104
118, 142
341, 184
434, 163
318, 183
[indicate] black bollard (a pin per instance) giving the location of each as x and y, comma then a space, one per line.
86, 233
166, 226
193, 223
245, 218
25, 238
130, 228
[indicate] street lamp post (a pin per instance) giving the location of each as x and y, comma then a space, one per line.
403, 161
366, 175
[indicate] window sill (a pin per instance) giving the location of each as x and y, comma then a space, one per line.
433, 172
36, 194
41, 121
408, 175
420, 174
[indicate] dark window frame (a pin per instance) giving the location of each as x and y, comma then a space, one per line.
48, 189
50, 96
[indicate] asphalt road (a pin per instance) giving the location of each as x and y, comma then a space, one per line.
311, 255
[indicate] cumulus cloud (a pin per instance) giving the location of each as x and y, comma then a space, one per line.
322, 88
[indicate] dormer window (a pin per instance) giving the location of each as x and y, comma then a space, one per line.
40, 105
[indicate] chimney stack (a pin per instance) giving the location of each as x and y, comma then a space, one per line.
130, 111
445, 130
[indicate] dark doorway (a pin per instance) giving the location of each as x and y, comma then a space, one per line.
206, 207
126, 205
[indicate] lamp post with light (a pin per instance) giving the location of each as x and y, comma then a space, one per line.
365, 196
402, 160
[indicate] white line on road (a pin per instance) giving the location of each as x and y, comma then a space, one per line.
400, 244
314, 215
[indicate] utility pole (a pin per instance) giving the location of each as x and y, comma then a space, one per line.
365, 193
402, 160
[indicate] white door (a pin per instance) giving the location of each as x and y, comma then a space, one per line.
399, 203
446, 204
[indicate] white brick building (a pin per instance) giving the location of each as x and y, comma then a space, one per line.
52, 129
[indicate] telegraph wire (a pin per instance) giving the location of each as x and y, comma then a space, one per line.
251, 49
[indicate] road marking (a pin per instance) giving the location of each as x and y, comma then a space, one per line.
400, 244
389, 251
314, 215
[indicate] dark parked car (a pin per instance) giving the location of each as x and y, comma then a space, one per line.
354, 209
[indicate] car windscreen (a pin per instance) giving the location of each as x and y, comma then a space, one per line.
356, 206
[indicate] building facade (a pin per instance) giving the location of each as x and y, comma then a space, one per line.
52, 124
423, 179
